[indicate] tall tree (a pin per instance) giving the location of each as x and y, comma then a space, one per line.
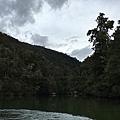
100, 39
99, 36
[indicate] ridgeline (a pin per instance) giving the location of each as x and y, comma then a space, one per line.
34, 70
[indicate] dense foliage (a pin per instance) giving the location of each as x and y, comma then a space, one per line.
34, 70
102, 69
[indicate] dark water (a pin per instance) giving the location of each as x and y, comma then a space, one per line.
58, 108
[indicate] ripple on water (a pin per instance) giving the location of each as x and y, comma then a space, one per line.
21, 114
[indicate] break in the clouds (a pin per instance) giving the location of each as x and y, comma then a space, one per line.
58, 24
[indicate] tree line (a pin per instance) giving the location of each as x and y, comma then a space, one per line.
34, 70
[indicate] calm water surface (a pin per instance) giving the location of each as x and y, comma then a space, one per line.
58, 108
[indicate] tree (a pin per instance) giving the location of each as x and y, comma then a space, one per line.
99, 36
100, 39
112, 70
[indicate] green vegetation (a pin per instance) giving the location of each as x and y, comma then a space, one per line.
34, 70
102, 69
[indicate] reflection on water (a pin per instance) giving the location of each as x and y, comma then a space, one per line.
98, 109
12, 114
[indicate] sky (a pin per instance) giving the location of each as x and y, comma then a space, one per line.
60, 25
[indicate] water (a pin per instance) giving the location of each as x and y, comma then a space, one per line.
58, 108
12, 114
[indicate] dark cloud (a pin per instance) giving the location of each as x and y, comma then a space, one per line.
44, 41
5, 8
55, 4
24, 10
20, 12
82, 53
16, 13
40, 40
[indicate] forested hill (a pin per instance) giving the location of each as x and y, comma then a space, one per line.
33, 70
55, 57
28, 69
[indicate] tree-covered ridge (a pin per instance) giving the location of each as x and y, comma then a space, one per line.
27, 69
33, 70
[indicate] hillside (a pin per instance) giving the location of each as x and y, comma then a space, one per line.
55, 57
33, 70
27, 69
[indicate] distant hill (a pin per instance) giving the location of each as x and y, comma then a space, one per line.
28, 69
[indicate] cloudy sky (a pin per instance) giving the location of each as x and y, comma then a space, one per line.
60, 25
